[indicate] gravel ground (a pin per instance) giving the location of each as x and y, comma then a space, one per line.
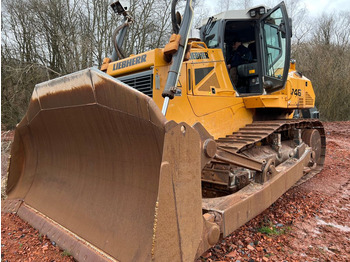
310, 222
21, 242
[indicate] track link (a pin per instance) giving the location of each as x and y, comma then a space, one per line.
247, 137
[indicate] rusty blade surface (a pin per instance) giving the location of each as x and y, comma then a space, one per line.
88, 155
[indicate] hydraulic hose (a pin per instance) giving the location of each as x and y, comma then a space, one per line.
118, 37
173, 75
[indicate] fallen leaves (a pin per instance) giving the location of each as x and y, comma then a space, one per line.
21, 242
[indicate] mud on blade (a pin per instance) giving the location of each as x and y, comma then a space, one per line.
95, 160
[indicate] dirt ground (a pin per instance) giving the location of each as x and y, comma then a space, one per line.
311, 222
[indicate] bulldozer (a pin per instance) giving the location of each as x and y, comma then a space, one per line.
159, 155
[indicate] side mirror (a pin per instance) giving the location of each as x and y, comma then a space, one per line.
282, 28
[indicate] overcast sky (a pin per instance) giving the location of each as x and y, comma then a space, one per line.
315, 7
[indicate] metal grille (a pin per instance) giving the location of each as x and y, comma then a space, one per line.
141, 81
301, 101
308, 101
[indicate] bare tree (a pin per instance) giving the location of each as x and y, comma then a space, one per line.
325, 59
225, 5
245, 3
52, 38
301, 21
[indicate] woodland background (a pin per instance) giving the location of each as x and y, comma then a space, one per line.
44, 39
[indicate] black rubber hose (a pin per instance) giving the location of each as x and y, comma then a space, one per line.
174, 20
118, 49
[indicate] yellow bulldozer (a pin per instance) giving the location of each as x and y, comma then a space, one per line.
158, 155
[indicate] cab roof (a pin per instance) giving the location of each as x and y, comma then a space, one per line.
235, 14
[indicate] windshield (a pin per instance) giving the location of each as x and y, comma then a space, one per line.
211, 37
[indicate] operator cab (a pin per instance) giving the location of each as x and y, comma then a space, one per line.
266, 34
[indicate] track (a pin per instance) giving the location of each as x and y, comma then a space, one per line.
217, 174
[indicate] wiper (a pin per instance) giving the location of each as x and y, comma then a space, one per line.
209, 26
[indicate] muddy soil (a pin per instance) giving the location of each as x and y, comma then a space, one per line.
19, 240
310, 222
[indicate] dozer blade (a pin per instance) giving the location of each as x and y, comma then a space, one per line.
96, 166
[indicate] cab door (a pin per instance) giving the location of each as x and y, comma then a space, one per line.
275, 36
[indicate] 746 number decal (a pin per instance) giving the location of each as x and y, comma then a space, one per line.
296, 92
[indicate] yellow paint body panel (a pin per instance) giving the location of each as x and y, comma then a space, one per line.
298, 93
207, 94
136, 63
